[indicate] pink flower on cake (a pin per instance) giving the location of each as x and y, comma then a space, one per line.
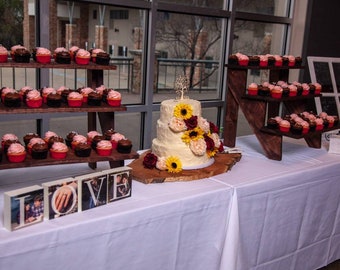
177, 125
161, 164
198, 147
216, 139
203, 124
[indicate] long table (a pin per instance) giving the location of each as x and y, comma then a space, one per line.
171, 226
263, 214
285, 214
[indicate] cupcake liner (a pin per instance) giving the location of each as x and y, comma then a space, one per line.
16, 158
104, 152
58, 155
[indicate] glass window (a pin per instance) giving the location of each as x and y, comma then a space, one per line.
197, 3
268, 7
191, 46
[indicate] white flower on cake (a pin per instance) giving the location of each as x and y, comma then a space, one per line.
161, 164
198, 147
177, 124
203, 124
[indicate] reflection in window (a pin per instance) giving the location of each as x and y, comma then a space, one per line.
197, 3
336, 69
188, 45
268, 7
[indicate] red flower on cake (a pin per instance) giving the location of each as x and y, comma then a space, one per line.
213, 128
150, 161
210, 143
191, 123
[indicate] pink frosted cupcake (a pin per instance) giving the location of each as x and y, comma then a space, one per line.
82, 57
8, 137
305, 89
115, 138
34, 99
318, 88
43, 55
91, 134
16, 153
75, 99
284, 126
48, 135
243, 60
305, 127
3, 54
104, 148
319, 124
5, 91
292, 90
253, 89
78, 139
114, 98
73, 50
58, 150
94, 53
45, 92
32, 142
85, 92
263, 60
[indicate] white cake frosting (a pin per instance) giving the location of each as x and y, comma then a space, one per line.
169, 141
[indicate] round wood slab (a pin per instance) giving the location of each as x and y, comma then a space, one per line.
223, 163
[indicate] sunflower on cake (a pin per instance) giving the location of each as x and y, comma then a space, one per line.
185, 140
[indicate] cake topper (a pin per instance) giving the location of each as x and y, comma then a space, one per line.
181, 86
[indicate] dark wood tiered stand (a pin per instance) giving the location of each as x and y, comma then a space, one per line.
257, 109
105, 114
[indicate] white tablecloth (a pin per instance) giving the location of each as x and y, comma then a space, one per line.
285, 214
162, 226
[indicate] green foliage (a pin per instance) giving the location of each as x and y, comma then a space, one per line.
11, 22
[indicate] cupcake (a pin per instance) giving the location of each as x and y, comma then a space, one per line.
82, 57
271, 60
263, 60
272, 123
285, 61
54, 139
62, 56
276, 92
254, 60
292, 90
115, 138
73, 50
90, 135
285, 90
58, 150
75, 99
263, 91
108, 133
298, 61
278, 60
54, 100
69, 138
16, 153
243, 60
3, 54
8, 143
104, 148
34, 99
23, 92
114, 98
103, 58
124, 146
12, 99
22, 55
29, 136
32, 142
45, 92
305, 127
284, 126
13, 49
5, 91
318, 88
78, 139
48, 135
296, 128
95, 141
305, 89
319, 124
94, 99
8, 136
94, 52
39, 150
43, 55
330, 119
82, 150
253, 89
291, 60
311, 88
85, 91
63, 91
233, 59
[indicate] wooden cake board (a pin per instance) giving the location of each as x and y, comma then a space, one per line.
223, 163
